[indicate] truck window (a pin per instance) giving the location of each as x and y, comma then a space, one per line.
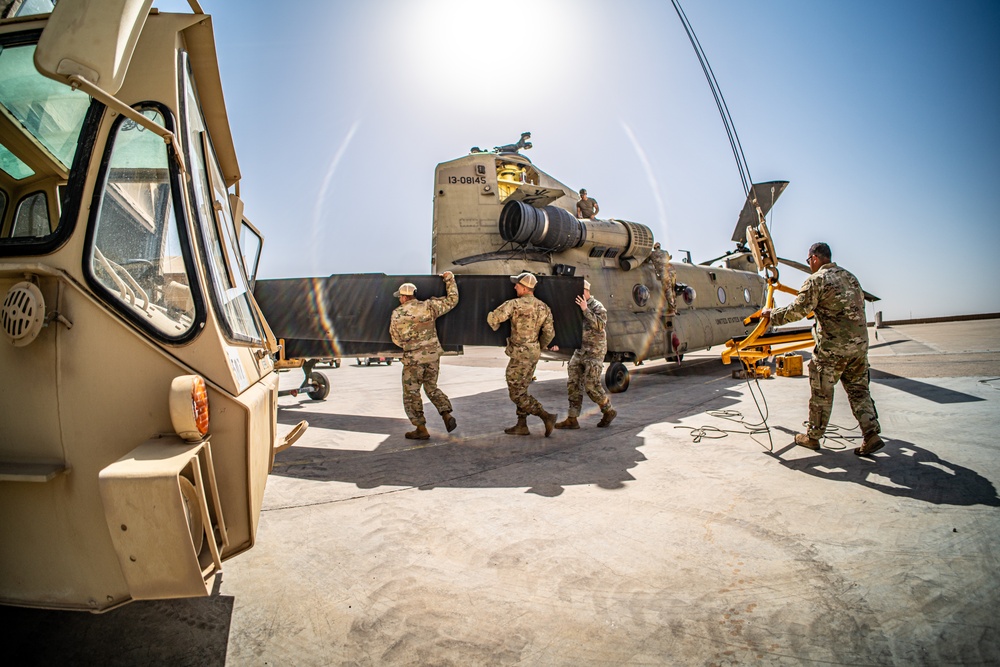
42, 124
227, 275
135, 249
32, 217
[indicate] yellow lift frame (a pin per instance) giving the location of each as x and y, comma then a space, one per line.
759, 344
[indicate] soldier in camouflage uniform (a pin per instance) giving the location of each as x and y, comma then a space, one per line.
530, 330
834, 295
413, 328
587, 362
667, 277
587, 208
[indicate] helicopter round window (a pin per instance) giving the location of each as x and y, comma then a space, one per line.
746, 295
640, 294
722, 295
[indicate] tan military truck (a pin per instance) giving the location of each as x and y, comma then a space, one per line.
138, 408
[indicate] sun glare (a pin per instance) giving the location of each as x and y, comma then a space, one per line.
459, 51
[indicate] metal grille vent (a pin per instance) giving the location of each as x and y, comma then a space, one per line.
640, 240
23, 313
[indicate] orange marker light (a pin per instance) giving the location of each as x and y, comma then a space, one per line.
189, 407
199, 403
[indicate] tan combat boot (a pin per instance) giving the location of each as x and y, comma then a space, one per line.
872, 443
569, 422
420, 433
550, 421
521, 428
607, 417
449, 421
803, 440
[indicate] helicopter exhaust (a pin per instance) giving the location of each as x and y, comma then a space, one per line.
556, 229
551, 227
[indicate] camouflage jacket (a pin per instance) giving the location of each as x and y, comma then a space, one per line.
595, 338
413, 327
530, 322
659, 260
835, 296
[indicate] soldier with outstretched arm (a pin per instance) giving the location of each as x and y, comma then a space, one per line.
834, 295
667, 277
531, 330
413, 328
587, 362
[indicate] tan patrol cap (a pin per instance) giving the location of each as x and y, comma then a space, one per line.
586, 284
527, 279
406, 289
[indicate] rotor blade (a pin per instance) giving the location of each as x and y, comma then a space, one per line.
795, 265
741, 250
805, 269
709, 262
766, 194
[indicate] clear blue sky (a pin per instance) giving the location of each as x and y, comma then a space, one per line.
884, 115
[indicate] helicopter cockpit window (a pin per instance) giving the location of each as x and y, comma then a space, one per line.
135, 250
227, 276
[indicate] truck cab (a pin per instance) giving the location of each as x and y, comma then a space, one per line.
138, 397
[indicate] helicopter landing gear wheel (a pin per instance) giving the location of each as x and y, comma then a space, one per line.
616, 378
320, 386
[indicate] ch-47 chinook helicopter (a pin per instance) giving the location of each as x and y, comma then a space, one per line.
138, 408
497, 213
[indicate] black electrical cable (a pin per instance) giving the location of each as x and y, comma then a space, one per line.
698, 433
720, 101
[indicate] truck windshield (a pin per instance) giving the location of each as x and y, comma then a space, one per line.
41, 122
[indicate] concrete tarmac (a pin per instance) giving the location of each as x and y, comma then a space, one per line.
689, 532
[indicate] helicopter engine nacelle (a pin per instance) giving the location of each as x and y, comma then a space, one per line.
556, 229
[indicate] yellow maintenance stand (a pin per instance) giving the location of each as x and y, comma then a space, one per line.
761, 343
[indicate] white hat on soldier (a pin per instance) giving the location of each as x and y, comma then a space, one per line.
527, 279
406, 289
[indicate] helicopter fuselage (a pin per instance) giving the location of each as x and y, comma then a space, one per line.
496, 213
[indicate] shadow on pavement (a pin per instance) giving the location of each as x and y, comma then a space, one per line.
479, 455
923, 390
177, 633
902, 469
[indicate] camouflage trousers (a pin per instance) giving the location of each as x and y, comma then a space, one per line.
669, 295
520, 370
852, 373
415, 377
585, 376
